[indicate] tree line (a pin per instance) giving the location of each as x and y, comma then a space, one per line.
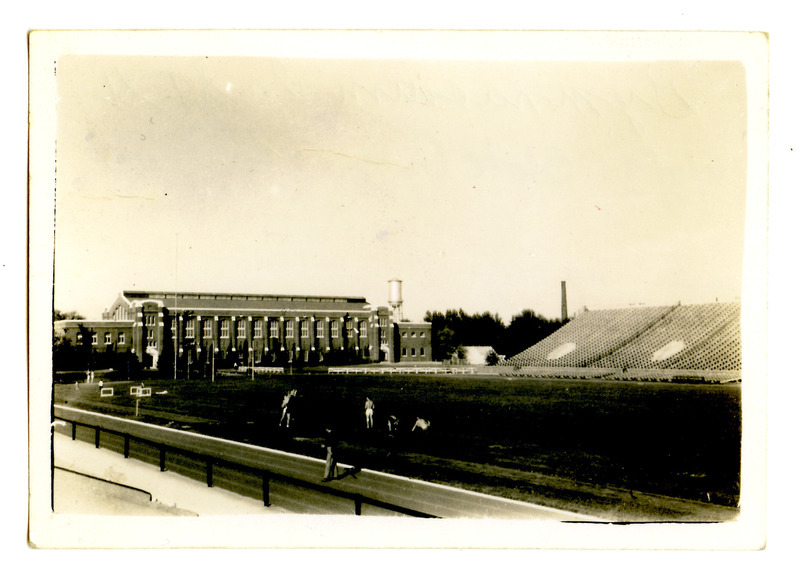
452, 330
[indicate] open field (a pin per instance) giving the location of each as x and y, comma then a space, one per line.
639, 451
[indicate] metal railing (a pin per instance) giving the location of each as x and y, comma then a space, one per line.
212, 452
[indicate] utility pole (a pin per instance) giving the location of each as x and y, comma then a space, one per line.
175, 314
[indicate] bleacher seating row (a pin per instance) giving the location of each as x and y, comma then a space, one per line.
401, 370
674, 375
563, 372
691, 342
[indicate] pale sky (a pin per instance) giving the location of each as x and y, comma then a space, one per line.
482, 185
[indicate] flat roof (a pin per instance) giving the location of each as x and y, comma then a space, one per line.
91, 323
200, 301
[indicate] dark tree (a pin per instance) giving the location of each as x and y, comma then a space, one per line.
442, 336
526, 329
71, 315
456, 328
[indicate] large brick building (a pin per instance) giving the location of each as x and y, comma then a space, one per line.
251, 330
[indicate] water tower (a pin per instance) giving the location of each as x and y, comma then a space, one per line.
396, 299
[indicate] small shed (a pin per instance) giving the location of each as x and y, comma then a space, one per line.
474, 355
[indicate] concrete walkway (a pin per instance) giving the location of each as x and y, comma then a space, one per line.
95, 481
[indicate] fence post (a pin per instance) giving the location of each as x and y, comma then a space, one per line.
127, 450
162, 457
358, 505
97, 437
74, 430
210, 473
265, 487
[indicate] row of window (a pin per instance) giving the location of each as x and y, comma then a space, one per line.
414, 334
151, 341
107, 338
414, 351
122, 313
274, 329
150, 320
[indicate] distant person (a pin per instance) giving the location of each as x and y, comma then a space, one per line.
330, 445
421, 424
101, 384
392, 423
286, 408
369, 411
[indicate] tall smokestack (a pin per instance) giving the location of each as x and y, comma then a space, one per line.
563, 301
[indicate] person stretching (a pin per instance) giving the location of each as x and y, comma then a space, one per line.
369, 410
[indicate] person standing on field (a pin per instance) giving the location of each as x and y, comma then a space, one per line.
330, 446
369, 411
286, 408
393, 424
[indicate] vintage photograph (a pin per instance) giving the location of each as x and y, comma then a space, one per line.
436, 285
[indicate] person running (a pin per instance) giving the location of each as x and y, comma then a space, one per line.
369, 411
286, 408
330, 446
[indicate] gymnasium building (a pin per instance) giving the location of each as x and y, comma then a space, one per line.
253, 329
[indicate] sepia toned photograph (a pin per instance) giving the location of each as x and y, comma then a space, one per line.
397, 289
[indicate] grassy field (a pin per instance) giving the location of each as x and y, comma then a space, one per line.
593, 444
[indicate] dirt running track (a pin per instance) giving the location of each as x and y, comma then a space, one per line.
297, 480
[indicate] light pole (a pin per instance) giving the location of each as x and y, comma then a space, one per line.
177, 319
175, 313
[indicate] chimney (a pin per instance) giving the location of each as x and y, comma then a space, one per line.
563, 301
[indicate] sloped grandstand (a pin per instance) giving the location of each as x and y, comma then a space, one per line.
698, 342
